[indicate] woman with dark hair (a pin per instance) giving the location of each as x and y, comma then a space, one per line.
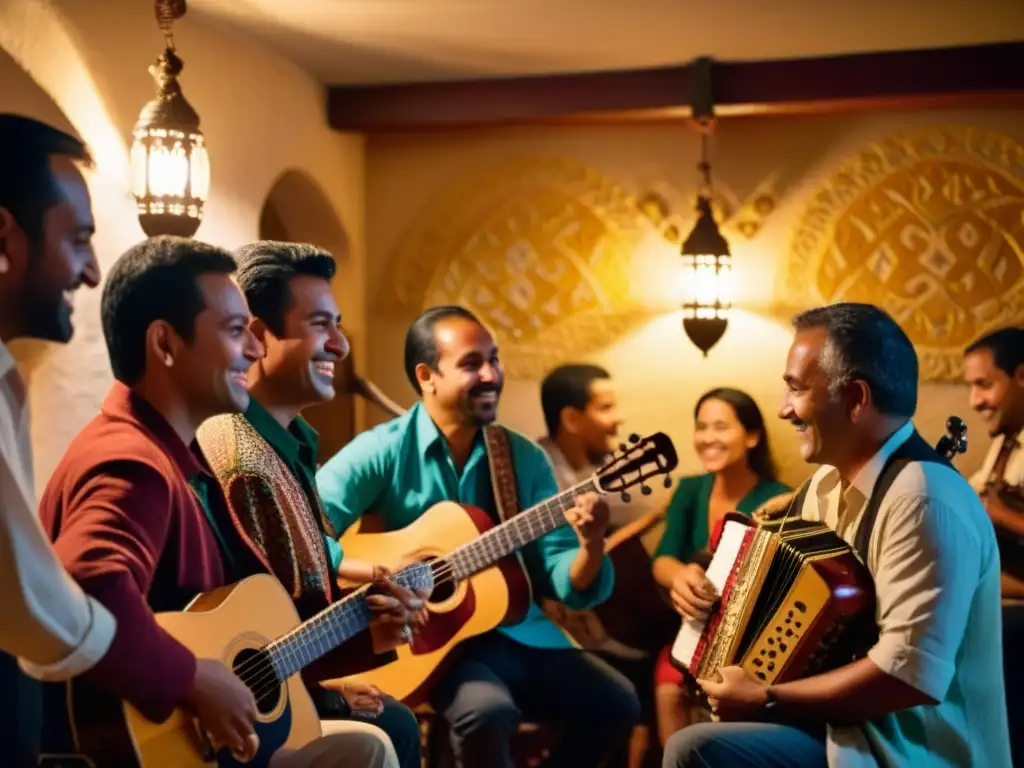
739, 475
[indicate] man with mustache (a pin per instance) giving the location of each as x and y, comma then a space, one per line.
133, 511
274, 500
931, 687
46, 228
437, 452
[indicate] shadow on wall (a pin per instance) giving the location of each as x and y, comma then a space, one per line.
296, 210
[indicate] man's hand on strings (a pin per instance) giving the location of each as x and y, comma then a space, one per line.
398, 612
589, 518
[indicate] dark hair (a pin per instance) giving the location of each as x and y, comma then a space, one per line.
1006, 346
155, 280
265, 270
749, 416
28, 187
567, 386
421, 344
865, 343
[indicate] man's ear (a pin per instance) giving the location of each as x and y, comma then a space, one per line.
259, 330
7, 225
1018, 375
569, 420
423, 377
162, 343
858, 395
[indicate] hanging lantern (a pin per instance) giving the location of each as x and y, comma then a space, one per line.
170, 165
706, 280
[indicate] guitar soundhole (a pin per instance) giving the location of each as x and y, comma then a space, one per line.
444, 587
256, 671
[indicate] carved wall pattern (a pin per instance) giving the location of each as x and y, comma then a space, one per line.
928, 225
539, 248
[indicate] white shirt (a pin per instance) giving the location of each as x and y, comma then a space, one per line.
49, 623
935, 564
1014, 473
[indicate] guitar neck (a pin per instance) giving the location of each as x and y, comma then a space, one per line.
530, 525
323, 633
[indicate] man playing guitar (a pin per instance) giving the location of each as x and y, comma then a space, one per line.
994, 370
931, 687
125, 516
437, 452
274, 500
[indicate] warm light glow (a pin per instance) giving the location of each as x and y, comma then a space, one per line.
170, 173
706, 286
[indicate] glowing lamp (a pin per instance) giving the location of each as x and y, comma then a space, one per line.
170, 165
706, 280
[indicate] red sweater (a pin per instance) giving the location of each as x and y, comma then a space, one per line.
129, 530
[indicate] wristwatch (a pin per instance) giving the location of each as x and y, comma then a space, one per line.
770, 710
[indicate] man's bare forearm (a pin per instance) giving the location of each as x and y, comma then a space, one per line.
586, 566
851, 694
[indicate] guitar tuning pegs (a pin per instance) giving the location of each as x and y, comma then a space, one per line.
668, 481
645, 490
634, 438
626, 497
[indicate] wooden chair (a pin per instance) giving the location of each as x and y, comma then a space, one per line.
530, 745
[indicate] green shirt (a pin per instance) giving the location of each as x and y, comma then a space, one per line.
401, 468
686, 520
297, 447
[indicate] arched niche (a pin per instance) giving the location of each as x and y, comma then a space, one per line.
297, 210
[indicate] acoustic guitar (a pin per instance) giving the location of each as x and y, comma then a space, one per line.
479, 581
253, 628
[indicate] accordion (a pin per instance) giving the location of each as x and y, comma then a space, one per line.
795, 600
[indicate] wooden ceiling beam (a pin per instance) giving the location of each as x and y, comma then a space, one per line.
947, 77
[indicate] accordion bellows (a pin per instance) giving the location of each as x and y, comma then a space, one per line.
795, 601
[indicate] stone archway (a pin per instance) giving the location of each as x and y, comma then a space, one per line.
297, 210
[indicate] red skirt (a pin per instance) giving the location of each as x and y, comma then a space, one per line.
665, 672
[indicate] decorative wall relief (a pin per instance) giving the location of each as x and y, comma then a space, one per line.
929, 226
539, 248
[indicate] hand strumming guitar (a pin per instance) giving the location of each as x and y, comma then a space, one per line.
225, 707
398, 612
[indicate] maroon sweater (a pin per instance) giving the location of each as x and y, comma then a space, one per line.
129, 530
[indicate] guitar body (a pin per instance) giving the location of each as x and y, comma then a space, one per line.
209, 628
486, 600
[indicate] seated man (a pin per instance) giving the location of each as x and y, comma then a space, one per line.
265, 460
930, 690
437, 452
131, 530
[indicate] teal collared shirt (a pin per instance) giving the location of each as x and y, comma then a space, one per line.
401, 468
296, 446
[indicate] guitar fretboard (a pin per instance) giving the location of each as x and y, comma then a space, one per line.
525, 527
322, 633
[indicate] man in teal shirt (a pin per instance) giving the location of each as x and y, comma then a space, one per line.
436, 452
273, 497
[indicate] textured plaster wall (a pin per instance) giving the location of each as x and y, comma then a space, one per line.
83, 64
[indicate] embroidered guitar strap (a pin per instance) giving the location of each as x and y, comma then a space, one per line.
503, 482
503, 474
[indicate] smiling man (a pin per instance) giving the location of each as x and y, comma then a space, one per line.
930, 690
438, 452
265, 461
46, 228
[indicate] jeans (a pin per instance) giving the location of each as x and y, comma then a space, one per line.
745, 745
497, 680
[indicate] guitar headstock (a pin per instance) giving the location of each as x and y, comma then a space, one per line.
416, 576
955, 439
637, 462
